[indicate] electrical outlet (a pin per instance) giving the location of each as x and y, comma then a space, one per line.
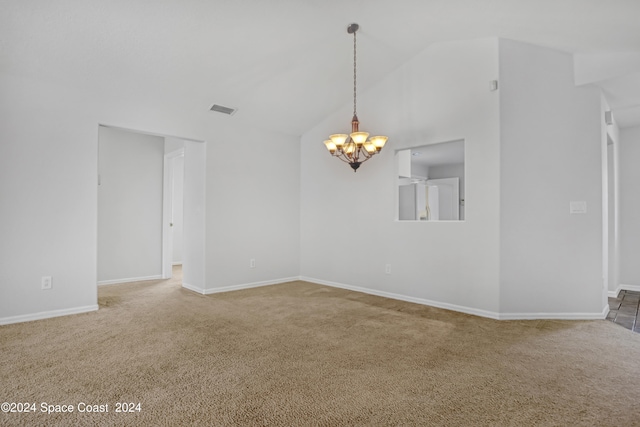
387, 269
46, 282
252, 263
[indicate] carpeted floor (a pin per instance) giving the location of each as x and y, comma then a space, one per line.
302, 354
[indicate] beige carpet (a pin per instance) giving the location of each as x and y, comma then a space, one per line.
303, 354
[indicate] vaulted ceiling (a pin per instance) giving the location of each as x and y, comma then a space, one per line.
286, 64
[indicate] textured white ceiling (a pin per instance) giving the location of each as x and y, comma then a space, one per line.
285, 64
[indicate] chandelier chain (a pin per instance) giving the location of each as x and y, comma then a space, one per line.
354, 73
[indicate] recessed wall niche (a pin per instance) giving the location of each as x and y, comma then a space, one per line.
431, 183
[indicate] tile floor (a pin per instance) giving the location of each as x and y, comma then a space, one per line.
623, 310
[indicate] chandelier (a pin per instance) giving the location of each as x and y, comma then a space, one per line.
355, 148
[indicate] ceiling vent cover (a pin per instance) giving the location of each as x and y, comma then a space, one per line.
222, 109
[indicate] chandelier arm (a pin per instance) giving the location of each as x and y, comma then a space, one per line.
342, 157
367, 155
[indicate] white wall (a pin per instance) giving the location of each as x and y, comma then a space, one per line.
609, 223
348, 228
551, 154
172, 144
48, 200
195, 216
129, 206
253, 205
48, 188
177, 201
629, 203
295, 209
610, 137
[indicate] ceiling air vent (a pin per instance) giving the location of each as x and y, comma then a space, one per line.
222, 109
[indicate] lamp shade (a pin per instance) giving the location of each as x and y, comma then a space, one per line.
339, 139
359, 137
379, 141
369, 147
331, 146
349, 148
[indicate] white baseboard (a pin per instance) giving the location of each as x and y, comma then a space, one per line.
249, 285
464, 309
129, 280
193, 288
556, 316
623, 287
176, 263
446, 306
431, 303
237, 287
47, 314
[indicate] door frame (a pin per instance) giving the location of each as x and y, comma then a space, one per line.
167, 212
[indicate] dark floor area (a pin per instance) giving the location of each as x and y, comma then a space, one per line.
623, 310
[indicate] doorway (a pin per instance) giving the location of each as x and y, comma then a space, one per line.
139, 176
173, 198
